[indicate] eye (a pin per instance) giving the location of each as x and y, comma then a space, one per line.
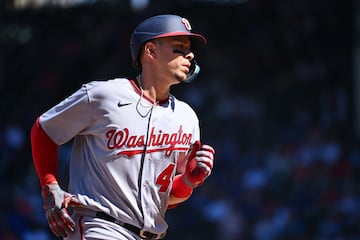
179, 51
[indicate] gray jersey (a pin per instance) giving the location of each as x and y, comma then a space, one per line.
113, 125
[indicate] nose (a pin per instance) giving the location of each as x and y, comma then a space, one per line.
190, 55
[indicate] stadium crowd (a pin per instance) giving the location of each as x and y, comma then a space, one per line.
274, 98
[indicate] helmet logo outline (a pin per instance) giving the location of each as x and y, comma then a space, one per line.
186, 24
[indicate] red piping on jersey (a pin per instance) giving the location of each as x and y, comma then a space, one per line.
138, 91
44, 153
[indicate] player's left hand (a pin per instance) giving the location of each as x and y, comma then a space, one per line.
200, 163
55, 203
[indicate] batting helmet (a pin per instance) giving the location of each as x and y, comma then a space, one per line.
166, 25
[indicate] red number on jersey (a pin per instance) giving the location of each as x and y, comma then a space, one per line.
164, 178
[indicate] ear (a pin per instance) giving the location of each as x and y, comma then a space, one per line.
149, 49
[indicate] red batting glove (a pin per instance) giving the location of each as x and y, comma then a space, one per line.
55, 203
199, 165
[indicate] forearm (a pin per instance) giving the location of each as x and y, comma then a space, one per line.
44, 153
180, 190
175, 200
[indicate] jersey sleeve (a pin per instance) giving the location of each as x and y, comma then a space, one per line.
68, 118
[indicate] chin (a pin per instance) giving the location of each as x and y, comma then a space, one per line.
180, 77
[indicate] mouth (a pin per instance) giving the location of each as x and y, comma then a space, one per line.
187, 68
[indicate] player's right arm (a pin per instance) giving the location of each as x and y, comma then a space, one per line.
53, 128
44, 152
45, 155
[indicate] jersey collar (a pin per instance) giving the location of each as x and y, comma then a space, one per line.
137, 89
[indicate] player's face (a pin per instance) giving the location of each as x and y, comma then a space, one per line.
175, 55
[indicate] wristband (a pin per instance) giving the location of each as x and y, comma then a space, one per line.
180, 188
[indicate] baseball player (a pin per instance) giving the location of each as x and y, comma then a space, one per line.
136, 150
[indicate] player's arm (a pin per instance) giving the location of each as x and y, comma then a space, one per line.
44, 152
180, 191
45, 158
198, 167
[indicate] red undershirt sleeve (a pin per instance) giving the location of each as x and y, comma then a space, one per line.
45, 155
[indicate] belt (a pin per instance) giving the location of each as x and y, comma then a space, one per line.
143, 234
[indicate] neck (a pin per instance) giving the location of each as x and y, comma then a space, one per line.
155, 90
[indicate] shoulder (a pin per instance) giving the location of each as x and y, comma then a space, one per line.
103, 88
107, 84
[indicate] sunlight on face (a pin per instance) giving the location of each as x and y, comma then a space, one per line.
174, 53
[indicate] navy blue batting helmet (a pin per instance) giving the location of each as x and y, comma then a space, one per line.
166, 25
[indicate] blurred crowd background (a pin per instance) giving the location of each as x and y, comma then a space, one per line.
275, 97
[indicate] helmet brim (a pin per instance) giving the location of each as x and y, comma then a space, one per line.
197, 40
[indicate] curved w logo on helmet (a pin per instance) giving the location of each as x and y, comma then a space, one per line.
186, 23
